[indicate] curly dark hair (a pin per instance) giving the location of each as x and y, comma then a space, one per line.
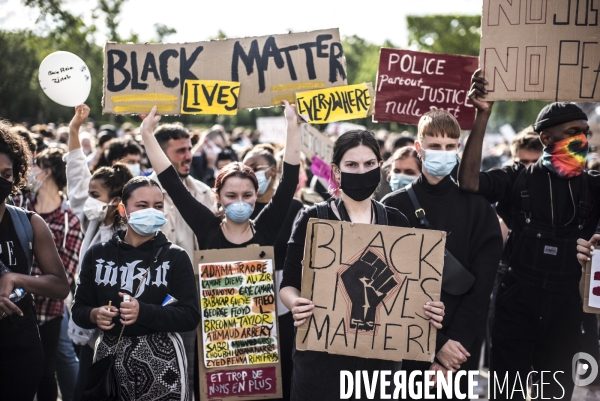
13, 146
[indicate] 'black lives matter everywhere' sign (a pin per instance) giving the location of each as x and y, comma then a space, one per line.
268, 69
541, 50
411, 83
369, 284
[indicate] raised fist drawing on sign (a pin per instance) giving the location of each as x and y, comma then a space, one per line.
367, 282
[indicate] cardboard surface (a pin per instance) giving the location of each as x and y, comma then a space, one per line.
230, 378
272, 129
541, 49
335, 104
268, 68
369, 284
210, 97
589, 285
315, 143
410, 83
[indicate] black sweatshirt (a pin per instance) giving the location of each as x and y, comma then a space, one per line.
207, 227
115, 266
292, 272
473, 237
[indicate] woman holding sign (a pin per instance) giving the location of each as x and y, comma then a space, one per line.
237, 189
356, 164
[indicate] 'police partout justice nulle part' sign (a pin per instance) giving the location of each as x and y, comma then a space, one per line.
369, 284
267, 68
541, 49
410, 83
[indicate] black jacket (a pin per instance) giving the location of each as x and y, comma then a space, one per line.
115, 266
473, 238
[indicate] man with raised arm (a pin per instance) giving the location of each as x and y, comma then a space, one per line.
175, 142
538, 319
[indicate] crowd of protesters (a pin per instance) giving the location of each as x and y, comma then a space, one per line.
93, 197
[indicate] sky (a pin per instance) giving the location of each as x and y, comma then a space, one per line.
197, 20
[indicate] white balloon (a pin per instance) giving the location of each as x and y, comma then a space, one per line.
65, 78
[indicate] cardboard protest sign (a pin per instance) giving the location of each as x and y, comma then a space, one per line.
541, 50
268, 69
238, 337
272, 129
369, 284
210, 97
335, 104
315, 143
410, 83
591, 289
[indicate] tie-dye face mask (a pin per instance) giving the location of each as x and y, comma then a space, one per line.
567, 157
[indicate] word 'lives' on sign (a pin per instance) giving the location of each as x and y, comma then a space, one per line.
210, 97
369, 284
238, 336
268, 68
335, 104
540, 49
411, 83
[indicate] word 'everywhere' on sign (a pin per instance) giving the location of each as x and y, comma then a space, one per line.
335, 104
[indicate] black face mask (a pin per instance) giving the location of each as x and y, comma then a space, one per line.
360, 186
5, 188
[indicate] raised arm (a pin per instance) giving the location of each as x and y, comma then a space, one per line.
78, 173
159, 160
81, 114
293, 141
468, 172
272, 217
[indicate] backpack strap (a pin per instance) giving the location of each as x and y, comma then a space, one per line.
322, 210
382, 218
419, 212
24, 231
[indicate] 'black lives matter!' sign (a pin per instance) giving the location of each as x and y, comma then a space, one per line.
369, 284
267, 68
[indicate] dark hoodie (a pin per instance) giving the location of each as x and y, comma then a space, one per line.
115, 266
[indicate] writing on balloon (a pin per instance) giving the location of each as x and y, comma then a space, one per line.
60, 79
61, 70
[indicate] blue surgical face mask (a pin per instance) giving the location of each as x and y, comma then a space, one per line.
263, 181
239, 211
398, 181
439, 163
146, 221
135, 169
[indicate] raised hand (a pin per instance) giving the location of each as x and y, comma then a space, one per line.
82, 112
478, 92
149, 124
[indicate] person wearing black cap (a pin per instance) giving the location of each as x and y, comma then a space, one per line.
538, 319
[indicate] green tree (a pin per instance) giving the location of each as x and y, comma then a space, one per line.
162, 31
461, 34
